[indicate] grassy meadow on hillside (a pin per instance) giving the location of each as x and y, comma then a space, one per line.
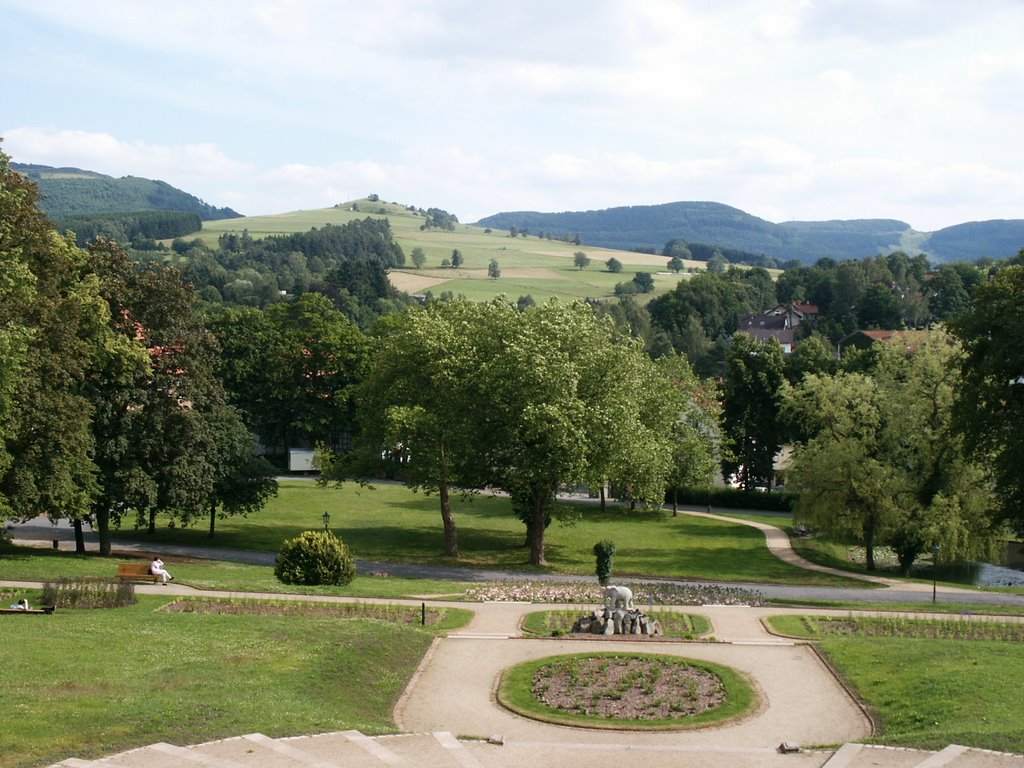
529, 265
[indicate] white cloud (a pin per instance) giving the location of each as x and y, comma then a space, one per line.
790, 109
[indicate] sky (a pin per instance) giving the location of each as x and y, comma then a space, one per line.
786, 109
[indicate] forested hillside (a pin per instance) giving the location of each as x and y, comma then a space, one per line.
996, 238
72, 191
647, 227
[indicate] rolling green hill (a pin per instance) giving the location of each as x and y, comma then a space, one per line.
530, 266
73, 192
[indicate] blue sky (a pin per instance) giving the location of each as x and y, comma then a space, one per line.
789, 109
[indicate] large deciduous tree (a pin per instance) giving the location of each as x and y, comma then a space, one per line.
881, 462
696, 429
158, 428
751, 421
54, 339
563, 398
413, 405
291, 370
990, 408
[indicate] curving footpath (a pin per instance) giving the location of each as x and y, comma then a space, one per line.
452, 718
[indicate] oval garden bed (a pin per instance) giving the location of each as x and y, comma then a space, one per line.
633, 691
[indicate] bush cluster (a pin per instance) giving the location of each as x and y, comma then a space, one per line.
315, 557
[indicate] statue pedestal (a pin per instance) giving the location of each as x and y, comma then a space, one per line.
617, 621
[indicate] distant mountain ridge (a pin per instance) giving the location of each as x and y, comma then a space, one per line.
73, 192
652, 226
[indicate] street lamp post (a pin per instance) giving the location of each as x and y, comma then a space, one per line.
327, 520
935, 565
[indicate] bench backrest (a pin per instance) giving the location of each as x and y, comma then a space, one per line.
133, 569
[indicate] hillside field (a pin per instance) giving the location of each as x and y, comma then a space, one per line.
529, 265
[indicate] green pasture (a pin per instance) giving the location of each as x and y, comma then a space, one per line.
390, 523
85, 683
529, 265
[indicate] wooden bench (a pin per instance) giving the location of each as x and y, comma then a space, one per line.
135, 572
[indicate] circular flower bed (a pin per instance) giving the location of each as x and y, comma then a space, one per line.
634, 691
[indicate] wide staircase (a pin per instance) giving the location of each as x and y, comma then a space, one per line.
351, 749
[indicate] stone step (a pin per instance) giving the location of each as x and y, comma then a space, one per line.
952, 756
162, 755
351, 749
255, 750
983, 758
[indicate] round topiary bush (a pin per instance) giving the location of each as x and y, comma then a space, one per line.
315, 557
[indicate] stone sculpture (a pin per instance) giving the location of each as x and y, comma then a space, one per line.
618, 597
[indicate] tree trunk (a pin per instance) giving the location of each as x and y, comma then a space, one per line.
79, 536
535, 531
103, 529
451, 535
869, 545
675, 501
152, 520
213, 518
604, 501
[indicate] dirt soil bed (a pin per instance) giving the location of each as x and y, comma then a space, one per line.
634, 689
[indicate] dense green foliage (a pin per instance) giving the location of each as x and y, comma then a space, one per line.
140, 229
111, 407
990, 408
878, 459
291, 370
315, 557
486, 395
71, 191
348, 264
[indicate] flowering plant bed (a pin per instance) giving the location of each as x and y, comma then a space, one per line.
646, 592
627, 691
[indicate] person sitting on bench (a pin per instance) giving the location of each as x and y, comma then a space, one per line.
21, 605
157, 569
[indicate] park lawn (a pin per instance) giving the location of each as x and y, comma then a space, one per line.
90, 682
33, 564
390, 523
927, 692
930, 693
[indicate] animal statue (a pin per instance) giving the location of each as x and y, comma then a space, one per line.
616, 597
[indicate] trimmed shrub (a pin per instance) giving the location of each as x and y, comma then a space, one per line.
315, 557
604, 551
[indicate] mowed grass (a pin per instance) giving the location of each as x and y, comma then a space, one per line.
32, 564
85, 683
390, 523
530, 265
928, 692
